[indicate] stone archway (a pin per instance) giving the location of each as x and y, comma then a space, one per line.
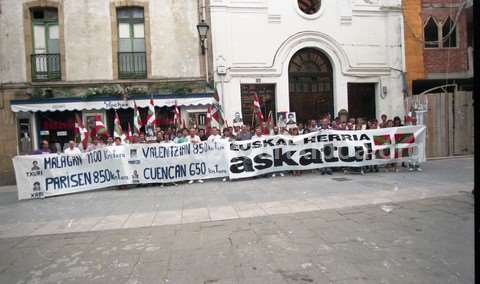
310, 77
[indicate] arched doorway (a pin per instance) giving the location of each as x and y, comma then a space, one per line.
310, 78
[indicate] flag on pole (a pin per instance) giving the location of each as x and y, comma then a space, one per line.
117, 130
217, 115
81, 133
177, 120
208, 118
269, 129
151, 120
129, 134
137, 120
257, 111
100, 128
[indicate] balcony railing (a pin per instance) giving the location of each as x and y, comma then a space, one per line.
132, 65
46, 67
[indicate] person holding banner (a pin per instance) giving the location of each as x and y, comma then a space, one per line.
228, 135
160, 137
45, 149
244, 134
72, 149
117, 142
203, 136
193, 137
181, 136
294, 132
324, 126
258, 134
96, 144
214, 137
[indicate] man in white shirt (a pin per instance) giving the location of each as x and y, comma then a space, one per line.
193, 137
214, 136
72, 149
96, 144
258, 134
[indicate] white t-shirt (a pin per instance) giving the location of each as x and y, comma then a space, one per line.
194, 139
213, 138
74, 151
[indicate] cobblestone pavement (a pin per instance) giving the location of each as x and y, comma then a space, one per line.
215, 201
378, 228
423, 241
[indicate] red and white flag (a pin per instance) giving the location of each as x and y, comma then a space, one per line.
100, 128
177, 120
151, 120
208, 118
117, 127
257, 110
137, 120
129, 134
81, 132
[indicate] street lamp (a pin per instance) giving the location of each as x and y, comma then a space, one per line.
203, 28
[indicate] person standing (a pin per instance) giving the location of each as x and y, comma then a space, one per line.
181, 136
244, 134
193, 137
202, 134
44, 149
258, 134
383, 124
72, 149
214, 137
325, 126
294, 132
117, 141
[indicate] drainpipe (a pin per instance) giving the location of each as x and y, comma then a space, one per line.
205, 56
404, 64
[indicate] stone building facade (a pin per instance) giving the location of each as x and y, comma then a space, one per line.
91, 58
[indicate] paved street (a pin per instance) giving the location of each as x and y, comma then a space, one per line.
379, 228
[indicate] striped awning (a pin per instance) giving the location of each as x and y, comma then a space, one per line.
110, 102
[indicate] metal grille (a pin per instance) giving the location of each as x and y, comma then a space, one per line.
132, 65
46, 67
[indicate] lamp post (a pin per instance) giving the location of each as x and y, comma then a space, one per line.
202, 29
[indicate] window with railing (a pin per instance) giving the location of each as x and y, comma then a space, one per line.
45, 60
132, 56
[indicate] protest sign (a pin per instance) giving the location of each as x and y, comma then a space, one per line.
325, 148
41, 176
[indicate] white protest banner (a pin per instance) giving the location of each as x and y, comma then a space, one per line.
326, 148
40, 176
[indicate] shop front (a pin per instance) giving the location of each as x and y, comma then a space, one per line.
54, 119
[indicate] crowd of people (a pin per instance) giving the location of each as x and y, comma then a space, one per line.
246, 132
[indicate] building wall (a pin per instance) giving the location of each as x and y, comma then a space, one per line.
255, 41
8, 139
412, 11
88, 39
12, 52
446, 60
87, 44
